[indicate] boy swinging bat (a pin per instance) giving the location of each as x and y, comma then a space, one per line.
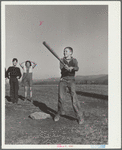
68, 66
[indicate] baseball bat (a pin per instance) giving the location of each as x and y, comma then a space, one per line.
52, 51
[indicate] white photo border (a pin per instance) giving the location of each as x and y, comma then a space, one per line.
114, 72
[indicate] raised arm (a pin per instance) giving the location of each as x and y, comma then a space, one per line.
21, 65
33, 64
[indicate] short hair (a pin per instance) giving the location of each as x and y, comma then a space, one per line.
15, 59
27, 62
70, 48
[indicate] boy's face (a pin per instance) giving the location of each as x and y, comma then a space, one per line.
14, 63
67, 52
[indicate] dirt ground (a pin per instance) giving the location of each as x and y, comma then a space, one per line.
20, 129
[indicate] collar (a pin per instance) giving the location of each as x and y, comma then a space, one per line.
67, 59
14, 66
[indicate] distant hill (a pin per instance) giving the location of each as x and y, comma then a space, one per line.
102, 80
91, 79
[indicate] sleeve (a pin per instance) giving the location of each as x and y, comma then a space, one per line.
33, 64
7, 73
22, 65
75, 68
19, 73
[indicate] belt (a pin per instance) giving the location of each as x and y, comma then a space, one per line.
11, 77
66, 80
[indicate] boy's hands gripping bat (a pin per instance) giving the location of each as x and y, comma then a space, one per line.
52, 51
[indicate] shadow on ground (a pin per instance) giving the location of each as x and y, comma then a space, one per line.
93, 95
21, 97
43, 107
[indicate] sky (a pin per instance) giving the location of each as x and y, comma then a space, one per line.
82, 27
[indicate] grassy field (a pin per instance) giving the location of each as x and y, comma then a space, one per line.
20, 129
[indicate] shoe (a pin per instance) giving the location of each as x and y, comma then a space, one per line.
80, 121
57, 117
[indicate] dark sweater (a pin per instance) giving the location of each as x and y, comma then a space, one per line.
65, 74
13, 72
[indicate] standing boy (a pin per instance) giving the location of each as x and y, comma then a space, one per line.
13, 73
68, 80
27, 67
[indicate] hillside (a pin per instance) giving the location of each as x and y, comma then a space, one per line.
91, 79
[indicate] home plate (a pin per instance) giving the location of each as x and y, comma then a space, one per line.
39, 115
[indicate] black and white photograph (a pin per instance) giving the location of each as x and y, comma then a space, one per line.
56, 84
